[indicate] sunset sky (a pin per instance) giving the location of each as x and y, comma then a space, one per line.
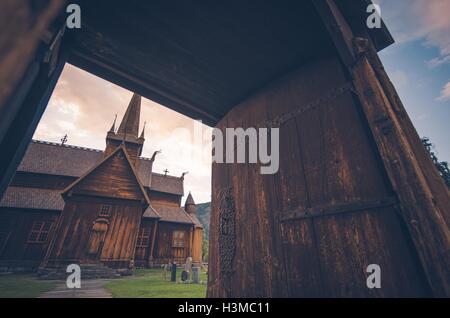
83, 106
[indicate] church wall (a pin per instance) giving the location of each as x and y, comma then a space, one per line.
87, 234
165, 251
143, 255
19, 248
119, 247
197, 245
111, 145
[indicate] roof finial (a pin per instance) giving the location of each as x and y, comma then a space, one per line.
113, 127
183, 174
63, 140
154, 154
166, 172
143, 131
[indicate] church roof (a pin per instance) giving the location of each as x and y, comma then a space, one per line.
169, 213
195, 220
67, 160
32, 198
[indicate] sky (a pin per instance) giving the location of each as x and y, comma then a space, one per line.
83, 106
418, 64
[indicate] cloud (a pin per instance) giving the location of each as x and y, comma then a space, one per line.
428, 21
445, 93
400, 78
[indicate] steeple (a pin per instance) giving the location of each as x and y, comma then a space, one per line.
128, 131
113, 127
189, 205
142, 136
130, 121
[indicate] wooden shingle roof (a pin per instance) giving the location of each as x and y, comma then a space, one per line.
32, 198
170, 214
67, 160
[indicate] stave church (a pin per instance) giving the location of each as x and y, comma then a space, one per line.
69, 204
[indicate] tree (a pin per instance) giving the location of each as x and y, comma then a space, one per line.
442, 166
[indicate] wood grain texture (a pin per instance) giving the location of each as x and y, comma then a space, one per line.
16, 224
165, 251
23, 25
327, 158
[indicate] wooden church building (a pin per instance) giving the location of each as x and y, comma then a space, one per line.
69, 204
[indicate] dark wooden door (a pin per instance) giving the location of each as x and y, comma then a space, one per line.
312, 229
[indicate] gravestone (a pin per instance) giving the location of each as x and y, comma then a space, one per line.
196, 274
184, 276
173, 269
188, 267
166, 268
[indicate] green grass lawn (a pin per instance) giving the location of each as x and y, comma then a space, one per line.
23, 286
149, 283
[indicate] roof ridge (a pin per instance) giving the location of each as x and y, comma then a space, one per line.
167, 176
36, 141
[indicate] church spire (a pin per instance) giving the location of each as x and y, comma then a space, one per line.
113, 127
130, 121
142, 136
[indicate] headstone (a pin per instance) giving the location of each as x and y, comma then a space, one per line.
184, 276
166, 268
188, 265
173, 273
196, 274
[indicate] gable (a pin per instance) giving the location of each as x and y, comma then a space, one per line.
113, 177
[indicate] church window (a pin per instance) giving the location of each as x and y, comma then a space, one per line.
105, 210
143, 237
178, 239
39, 232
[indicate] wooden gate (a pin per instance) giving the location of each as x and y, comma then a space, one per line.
313, 228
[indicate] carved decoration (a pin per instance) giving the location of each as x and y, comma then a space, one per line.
227, 228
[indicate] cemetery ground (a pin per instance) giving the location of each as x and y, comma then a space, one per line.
150, 283
145, 283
